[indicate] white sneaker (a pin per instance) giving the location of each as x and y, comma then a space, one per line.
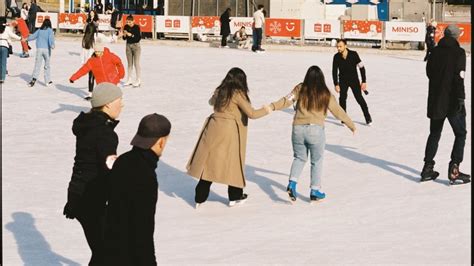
49, 84
128, 82
240, 201
197, 205
136, 83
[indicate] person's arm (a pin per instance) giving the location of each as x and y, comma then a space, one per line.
335, 67
51, 38
247, 108
13, 35
107, 148
459, 72
340, 114
286, 101
119, 65
86, 68
361, 67
33, 36
136, 33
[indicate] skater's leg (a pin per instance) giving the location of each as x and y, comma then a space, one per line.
254, 40
202, 190
316, 141
343, 95
47, 66
458, 124
38, 63
3, 63
300, 151
436, 127
93, 226
129, 53
91, 81
235, 193
137, 50
356, 90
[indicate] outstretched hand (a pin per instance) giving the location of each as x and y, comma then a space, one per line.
337, 88
267, 108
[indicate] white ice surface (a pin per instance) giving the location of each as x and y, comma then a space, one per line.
376, 212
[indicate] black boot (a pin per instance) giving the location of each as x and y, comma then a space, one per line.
428, 173
368, 120
32, 82
455, 176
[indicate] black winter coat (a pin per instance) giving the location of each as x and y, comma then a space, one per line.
95, 141
225, 23
130, 218
445, 70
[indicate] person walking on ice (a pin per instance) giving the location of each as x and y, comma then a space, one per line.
313, 100
219, 155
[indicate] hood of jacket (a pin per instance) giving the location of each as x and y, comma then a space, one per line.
87, 121
448, 42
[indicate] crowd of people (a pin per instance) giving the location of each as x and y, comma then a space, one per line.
118, 217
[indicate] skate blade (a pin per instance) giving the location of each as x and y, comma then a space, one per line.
315, 202
459, 182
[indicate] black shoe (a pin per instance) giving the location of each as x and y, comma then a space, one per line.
428, 173
456, 177
368, 120
236, 202
32, 83
261, 49
88, 98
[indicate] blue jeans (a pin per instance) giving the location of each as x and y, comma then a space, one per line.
3, 62
312, 139
42, 54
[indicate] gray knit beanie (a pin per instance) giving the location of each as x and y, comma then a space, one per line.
105, 93
452, 31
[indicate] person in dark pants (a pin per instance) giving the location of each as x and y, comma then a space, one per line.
258, 22
346, 62
225, 27
96, 149
430, 38
32, 16
445, 70
133, 193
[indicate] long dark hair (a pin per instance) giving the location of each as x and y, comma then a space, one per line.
314, 95
92, 19
2, 27
89, 36
234, 82
46, 24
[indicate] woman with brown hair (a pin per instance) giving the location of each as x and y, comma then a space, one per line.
313, 99
219, 155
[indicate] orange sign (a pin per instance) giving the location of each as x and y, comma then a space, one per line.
282, 27
145, 22
210, 25
72, 21
464, 37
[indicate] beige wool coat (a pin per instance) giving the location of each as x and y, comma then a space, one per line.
219, 155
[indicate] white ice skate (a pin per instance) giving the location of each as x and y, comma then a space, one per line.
240, 201
137, 83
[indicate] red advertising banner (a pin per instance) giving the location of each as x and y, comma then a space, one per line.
144, 21
464, 37
362, 29
282, 27
72, 21
209, 25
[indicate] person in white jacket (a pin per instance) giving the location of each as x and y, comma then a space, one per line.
258, 21
91, 36
6, 36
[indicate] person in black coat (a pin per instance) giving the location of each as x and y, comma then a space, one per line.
133, 193
32, 16
430, 38
445, 70
96, 149
225, 27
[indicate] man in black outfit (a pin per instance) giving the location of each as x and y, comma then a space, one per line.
225, 27
346, 63
99, 7
430, 38
133, 193
32, 16
445, 70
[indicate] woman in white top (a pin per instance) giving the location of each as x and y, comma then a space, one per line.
24, 12
6, 36
91, 36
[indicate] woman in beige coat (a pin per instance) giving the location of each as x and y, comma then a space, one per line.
219, 155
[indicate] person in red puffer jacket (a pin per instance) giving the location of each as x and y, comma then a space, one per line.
105, 66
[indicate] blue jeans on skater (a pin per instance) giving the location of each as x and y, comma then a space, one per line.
42, 54
3, 63
308, 139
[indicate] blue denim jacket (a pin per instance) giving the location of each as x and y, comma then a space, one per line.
44, 38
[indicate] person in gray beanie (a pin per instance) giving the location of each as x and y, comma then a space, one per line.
96, 149
445, 69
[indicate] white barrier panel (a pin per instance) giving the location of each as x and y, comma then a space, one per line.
104, 22
362, 29
172, 24
320, 29
237, 22
405, 31
41, 16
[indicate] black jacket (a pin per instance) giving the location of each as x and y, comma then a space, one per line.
430, 36
347, 68
225, 26
32, 12
130, 219
445, 70
95, 141
136, 34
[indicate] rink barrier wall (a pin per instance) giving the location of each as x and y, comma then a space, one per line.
275, 28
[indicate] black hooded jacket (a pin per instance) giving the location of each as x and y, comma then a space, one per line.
95, 141
445, 70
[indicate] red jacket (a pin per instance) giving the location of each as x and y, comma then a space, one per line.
106, 68
22, 27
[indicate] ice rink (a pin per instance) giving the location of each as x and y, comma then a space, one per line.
375, 212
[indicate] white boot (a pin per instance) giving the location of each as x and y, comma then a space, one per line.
137, 83
128, 82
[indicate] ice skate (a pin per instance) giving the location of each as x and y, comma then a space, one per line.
32, 83
428, 173
49, 84
136, 84
128, 82
291, 189
456, 177
196, 206
240, 201
88, 97
316, 195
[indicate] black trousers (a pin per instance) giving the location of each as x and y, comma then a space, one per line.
93, 225
91, 81
356, 90
203, 187
224, 40
458, 124
257, 39
429, 49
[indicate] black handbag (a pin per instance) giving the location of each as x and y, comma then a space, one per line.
10, 49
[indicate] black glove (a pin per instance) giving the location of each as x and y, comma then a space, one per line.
72, 81
461, 108
72, 206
